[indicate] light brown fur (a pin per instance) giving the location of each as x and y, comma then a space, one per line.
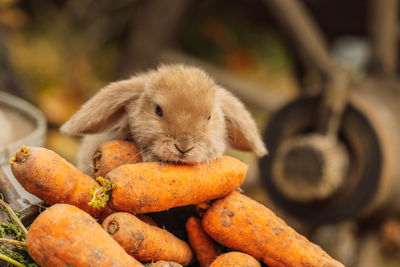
184, 133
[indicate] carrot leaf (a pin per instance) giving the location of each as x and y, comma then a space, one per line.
100, 193
13, 254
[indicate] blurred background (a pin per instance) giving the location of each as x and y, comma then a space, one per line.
319, 77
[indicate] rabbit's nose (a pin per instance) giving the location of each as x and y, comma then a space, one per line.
182, 148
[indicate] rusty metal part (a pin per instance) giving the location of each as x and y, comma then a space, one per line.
333, 160
333, 101
366, 121
310, 167
359, 187
370, 131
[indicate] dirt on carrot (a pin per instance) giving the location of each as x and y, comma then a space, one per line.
64, 235
146, 242
48, 176
113, 154
153, 186
238, 222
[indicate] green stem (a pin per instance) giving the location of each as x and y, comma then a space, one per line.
14, 216
12, 261
13, 242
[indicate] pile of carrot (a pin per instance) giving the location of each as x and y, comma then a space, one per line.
107, 220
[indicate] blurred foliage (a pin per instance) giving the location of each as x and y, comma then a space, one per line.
221, 32
65, 52
10, 15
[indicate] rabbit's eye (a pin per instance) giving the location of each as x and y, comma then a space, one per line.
209, 117
159, 111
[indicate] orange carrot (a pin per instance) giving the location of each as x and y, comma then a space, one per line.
153, 186
241, 223
235, 259
163, 264
202, 245
64, 235
45, 174
113, 154
146, 242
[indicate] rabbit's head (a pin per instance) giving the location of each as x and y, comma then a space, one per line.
175, 113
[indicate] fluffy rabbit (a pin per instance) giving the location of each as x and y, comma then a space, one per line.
175, 113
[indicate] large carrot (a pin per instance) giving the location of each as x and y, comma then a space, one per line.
241, 223
235, 259
146, 242
64, 235
153, 186
113, 154
203, 246
48, 176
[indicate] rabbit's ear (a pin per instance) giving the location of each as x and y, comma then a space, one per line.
105, 109
242, 131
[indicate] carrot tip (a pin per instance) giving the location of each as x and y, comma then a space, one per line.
99, 193
113, 227
21, 155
